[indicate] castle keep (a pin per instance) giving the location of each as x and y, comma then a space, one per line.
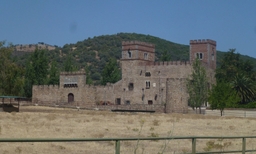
160, 86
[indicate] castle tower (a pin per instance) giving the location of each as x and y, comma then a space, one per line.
72, 79
134, 50
205, 50
135, 53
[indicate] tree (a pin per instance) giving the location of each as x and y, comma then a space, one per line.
111, 73
230, 65
69, 65
36, 71
29, 79
222, 95
54, 74
88, 75
244, 88
40, 66
10, 73
239, 74
197, 86
165, 56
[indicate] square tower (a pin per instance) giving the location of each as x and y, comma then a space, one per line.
72, 79
135, 50
204, 50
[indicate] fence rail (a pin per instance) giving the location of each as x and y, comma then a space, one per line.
234, 113
118, 144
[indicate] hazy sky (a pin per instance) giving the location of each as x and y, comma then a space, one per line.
232, 23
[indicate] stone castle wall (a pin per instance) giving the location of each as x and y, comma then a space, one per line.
135, 72
145, 84
177, 97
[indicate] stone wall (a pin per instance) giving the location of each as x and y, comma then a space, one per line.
177, 96
144, 84
139, 73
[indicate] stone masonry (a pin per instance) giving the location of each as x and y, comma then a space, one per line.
145, 84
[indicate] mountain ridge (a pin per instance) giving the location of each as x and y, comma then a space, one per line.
95, 52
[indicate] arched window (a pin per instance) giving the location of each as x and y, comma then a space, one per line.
70, 97
129, 53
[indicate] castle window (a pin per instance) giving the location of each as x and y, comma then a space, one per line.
147, 74
130, 86
146, 56
199, 56
70, 85
147, 84
118, 101
127, 102
150, 102
212, 53
129, 53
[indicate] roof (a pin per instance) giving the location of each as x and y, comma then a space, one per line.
11, 97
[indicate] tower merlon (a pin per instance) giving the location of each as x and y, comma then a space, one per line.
203, 41
73, 73
124, 43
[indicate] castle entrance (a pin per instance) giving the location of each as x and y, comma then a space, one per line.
70, 97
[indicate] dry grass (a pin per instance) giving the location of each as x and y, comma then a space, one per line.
68, 123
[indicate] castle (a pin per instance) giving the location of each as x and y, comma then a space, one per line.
160, 86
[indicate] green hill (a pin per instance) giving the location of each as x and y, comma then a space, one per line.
95, 52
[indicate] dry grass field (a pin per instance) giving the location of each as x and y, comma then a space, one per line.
46, 122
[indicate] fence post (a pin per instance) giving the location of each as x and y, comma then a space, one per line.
193, 145
117, 146
244, 145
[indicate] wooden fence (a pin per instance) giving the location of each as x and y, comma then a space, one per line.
118, 141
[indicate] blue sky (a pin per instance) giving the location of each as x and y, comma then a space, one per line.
232, 23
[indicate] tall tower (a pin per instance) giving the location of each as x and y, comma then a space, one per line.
135, 53
134, 50
204, 50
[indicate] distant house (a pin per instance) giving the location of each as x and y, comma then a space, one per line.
32, 47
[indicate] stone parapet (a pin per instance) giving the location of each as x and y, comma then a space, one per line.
124, 43
202, 41
73, 73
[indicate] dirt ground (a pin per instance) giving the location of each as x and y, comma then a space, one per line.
44, 122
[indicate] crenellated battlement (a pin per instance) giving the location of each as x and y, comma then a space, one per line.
166, 63
73, 73
108, 86
124, 43
202, 41
46, 86
173, 63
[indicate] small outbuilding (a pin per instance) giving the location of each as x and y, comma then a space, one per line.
10, 103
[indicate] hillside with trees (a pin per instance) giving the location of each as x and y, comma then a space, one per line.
92, 54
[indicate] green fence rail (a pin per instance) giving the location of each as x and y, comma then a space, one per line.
118, 140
